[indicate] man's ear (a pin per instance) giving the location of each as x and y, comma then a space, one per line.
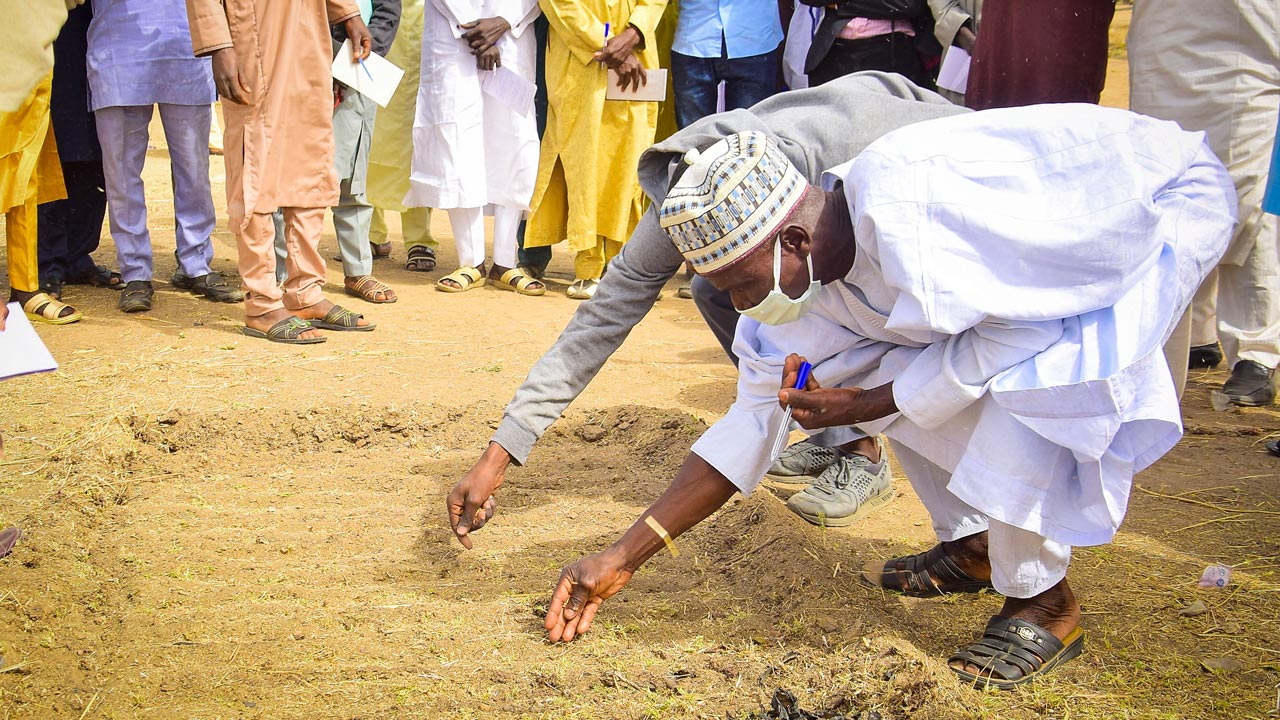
795, 240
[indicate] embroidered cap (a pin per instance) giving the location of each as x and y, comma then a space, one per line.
731, 199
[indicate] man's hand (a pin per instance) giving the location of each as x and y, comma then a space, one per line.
227, 77
489, 59
583, 586
631, 72
618, 48
817, 407
483, 33
361, 40
965, 39
4, 315
470, 504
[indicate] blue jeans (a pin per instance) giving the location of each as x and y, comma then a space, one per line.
747, 81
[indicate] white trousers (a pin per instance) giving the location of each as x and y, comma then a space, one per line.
1220, 73
1023, 564
468, 235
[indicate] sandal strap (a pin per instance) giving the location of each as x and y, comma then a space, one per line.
464, 276
289, 328
518, 278
929, 572
368, 285
43, 305
342, 317
1011, 649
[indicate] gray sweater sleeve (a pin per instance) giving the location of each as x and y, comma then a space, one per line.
597, 329
817, 128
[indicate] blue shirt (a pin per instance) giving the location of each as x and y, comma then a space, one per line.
748, 27
140, 54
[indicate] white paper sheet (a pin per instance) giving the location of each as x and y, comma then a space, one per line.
376, 78
507, 87
21, 351
654, 91
954, 73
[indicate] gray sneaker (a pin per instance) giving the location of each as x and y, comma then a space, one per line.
799, 465
846, 491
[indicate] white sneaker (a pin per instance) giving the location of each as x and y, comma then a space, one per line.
845, 492
799, 465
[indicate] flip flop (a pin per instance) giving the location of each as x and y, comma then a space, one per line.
8, 538
927, 574
286, 331
1014, 652
100, 277
341, 319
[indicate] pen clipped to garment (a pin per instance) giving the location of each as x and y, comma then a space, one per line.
802, 379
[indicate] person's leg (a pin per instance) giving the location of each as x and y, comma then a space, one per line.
535, 259
123, 135
53, 245
378, 230
1204, 312
415, 226
255, 246
694, 82
1249, 318
280, 247
589, 264
749, 80
21, 234
351, 221
302, 229
468, 235
1031, 572
718, 312
84, 217
506, 222
186, 129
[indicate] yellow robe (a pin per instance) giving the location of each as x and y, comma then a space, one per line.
591, 147
30, 174
391, 151
27, 38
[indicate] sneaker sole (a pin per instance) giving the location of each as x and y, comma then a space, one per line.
873, 503
794, 483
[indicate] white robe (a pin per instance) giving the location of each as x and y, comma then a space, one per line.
469, 149
1017, 273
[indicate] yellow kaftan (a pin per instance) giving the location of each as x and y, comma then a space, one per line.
597, 142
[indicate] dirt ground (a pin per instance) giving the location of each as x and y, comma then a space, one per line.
222, 528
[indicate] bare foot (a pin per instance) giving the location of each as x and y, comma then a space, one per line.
319, 310
454, 283
263, 323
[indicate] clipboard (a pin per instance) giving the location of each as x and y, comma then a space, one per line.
655, 90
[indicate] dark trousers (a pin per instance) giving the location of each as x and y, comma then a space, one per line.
895, 53
69, 230
537, 258
747, 81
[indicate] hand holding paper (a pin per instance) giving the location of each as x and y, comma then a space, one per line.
373, 77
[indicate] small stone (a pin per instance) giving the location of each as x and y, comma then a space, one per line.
1196, 608
591, 433
1225, 664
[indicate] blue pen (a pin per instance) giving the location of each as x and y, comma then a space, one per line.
366, 69
802, 379
606, 41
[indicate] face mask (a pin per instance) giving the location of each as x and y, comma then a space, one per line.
777, 308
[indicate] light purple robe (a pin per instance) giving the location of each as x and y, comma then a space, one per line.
140, 54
